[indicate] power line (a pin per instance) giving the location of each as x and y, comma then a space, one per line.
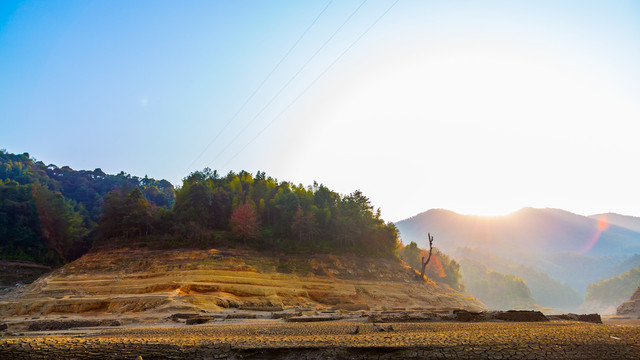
313, 82
288, 82
261, 84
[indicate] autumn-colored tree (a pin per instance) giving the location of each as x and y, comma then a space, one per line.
244, 222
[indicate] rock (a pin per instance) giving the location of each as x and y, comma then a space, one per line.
518, 315
183, 316
351, 307
197, 320
467, 316
632, 306
241, 316
46, 325
3, 327
313, 318
261, 308
592, 318
285, 315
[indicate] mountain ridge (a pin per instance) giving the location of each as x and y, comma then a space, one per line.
568, 247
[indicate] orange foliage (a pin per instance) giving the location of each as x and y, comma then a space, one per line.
435, 267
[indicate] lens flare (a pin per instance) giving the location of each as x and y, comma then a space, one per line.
603, 225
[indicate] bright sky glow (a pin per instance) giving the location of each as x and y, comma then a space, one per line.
478, 107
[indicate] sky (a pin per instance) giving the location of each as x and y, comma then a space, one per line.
478, 107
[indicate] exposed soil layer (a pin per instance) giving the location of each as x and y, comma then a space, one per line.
140, 281
335, 340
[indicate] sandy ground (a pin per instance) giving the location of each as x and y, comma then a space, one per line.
265, 339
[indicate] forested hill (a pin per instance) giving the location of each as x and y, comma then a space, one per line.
53, 215
243, 210
49, 214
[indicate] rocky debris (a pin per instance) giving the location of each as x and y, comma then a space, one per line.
516, 315
198, 320
356, 331
262, 308
591, 318
632, 306
3, 327
378, 328
182, 316
314, 318
285, 315
351, 307
406, 317
240, 316
409, 316
47, 325
188, 318
510, 315
466, 316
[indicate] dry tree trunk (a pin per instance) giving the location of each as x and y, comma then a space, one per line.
424, 263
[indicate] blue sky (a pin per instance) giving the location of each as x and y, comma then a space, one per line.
478, 107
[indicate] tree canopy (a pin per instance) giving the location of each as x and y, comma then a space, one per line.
49, 214
262, 212
52, 215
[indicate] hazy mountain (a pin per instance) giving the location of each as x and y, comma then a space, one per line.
624, 221
571, 248
529, 231
545, 290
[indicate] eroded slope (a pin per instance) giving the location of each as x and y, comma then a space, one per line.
138, 280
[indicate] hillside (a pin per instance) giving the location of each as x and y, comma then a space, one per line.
545, 290
610, 293
153, 284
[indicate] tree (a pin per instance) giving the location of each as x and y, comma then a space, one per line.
424, 263
244, 222
126, 214
304, 226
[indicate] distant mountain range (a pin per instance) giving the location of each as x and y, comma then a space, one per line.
529, 231
571, 248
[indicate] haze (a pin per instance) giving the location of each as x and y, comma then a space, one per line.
480, 108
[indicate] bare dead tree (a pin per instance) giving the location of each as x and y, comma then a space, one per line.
424, 263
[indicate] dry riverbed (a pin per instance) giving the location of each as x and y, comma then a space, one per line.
351, 339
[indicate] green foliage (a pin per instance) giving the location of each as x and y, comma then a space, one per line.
496, 290
49, 214
20, 230
546, 291
126, 215
615, 290
441, 268
53, 215
292, 218
85, 187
